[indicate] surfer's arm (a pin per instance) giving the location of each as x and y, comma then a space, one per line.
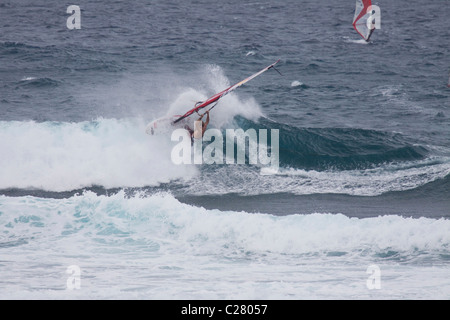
205, 124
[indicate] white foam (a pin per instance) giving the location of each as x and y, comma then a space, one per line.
230, 105
61, 156
358, 41
368, 182
156, 247
28, 78
163, 219
199, 86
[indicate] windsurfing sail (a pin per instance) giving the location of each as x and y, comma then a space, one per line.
362, 14
216, 97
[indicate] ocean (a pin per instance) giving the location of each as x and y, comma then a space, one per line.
92, 207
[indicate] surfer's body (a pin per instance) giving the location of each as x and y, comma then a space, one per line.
200, 126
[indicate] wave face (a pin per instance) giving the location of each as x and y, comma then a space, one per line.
113, 153
338, 148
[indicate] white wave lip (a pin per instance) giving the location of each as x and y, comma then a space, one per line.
61, 156
28, 78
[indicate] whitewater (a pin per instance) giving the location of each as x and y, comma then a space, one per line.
103, 197
93, 207
112, 153
154, 247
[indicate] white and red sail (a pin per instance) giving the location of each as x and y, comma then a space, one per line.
363, 12
216, 97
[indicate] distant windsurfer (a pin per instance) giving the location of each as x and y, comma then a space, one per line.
370, 34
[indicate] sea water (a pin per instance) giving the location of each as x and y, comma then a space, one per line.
93, 207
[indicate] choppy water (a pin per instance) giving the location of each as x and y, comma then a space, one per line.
364, 173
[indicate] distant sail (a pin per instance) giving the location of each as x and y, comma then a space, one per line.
361, 17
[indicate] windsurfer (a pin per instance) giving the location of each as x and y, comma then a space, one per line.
200, 126
370, 34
